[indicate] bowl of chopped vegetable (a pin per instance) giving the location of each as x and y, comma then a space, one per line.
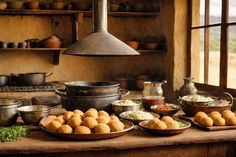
166, 109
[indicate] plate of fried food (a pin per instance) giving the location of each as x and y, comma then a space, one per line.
165, 126
89, 125
215, 120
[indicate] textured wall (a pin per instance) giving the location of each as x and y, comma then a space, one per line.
168, 23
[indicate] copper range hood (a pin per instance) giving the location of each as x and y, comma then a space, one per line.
100, 42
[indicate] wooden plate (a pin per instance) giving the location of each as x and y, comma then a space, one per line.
212, 128
136, 121
94, 136
143, 124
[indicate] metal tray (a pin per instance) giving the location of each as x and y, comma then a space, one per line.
93, 136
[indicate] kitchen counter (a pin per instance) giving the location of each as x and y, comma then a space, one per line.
192, 142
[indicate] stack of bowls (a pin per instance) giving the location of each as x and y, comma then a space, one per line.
86, 94
8, 111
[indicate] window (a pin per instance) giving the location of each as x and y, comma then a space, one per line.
212, 44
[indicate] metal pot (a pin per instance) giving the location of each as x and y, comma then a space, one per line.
3, 80
8, 111
33, 79
83, 103
92, 88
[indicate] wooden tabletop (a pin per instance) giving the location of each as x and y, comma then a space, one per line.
40, 142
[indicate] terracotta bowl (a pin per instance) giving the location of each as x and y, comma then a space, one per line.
14, 4
133, 44
3, 5
57, 5
151, 46
32, 4
170, 112
149, 101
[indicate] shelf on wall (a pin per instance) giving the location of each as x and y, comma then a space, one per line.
151, 51
72, 12
56, 52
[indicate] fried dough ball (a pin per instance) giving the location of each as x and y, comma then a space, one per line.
173, 125
167, 119
90, 122
53, 126
60, 116
227, 114
93, 110
61, 120
152, 122
49, 120
68, 115
90, 114
102, 128
113, 117
74, 122
116, 125
78, 112
218, 120
214, 113
82, 130
206, 122
103, 119
65, 129
198, 117
159, 125
102, 113
231, 121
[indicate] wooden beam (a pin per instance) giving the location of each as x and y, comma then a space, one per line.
189, 39
206, 42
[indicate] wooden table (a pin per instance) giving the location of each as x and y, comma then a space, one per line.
191, 143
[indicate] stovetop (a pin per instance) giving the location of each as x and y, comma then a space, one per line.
47, 87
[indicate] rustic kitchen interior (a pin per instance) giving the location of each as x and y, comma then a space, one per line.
46, 67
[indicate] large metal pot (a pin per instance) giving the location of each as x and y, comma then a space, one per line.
33, 79
83, 103
8, 111
92, 88
3, 80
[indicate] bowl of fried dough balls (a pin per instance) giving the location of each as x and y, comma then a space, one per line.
215, 118
89, 125
165, 126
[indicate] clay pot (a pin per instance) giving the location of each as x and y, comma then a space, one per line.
140, 81
34, 4
14, 4
114, 7
3, 5
84, 6
56, 5
44, 5
123, 81
51, 42
133, 44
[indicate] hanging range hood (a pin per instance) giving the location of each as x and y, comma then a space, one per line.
100, 42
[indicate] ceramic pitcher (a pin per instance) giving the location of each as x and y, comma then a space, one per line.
153, 88
188, 88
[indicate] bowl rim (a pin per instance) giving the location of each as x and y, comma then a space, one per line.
43, 109
156, 107
135, 101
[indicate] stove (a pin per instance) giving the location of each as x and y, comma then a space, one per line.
41, 88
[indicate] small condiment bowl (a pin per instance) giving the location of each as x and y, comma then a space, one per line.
32, 114
166, 109
118, 108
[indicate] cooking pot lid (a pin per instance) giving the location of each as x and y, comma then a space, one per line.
92, 83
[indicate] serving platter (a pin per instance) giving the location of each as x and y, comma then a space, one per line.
187, 124
212, 128
93, 136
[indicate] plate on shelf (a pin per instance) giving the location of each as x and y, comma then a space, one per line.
167, 131
93, 136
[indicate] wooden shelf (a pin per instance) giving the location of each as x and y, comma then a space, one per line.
72, 12
56, 52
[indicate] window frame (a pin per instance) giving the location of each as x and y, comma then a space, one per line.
224, 24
